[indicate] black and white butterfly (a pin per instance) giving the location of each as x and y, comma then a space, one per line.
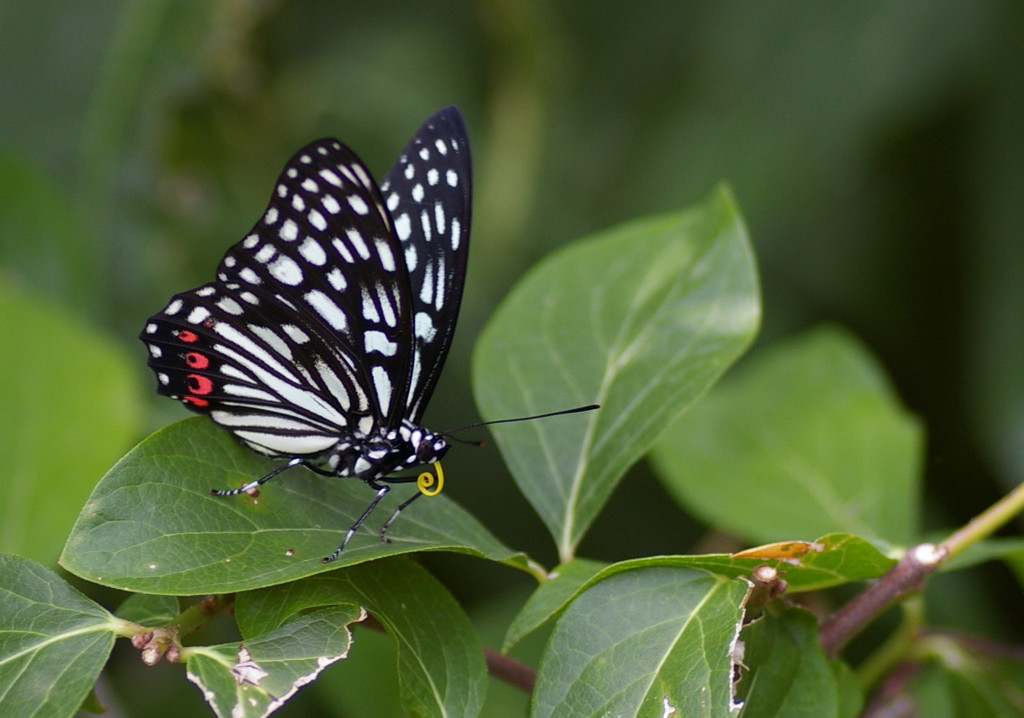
324, 333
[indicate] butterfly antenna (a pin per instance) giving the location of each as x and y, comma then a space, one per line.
577, 410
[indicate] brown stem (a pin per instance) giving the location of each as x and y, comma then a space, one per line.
905, 577
504, 668
508, 669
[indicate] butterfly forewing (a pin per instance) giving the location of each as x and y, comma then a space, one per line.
326, 247
428, 194
333, 316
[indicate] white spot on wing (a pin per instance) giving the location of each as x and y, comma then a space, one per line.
285, 270
411, 257
289, 231
375, 341
382, 385
297, 335
424, 326
331, 177
337, 279
327, 309
358, 243
386, 307
230, 306
370, 309
387, 258
272, 339
342, 250
358, 204
427, 288
317, 220
403, 227
265, 254
330, 204
313, 252
456, 234
198, 315
439, 217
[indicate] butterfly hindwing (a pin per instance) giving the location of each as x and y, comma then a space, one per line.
248, 378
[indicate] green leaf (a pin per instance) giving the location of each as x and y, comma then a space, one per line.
967, 678
55, 437
151, 524
257, 676
789, 675
441, 668
149, 610
645, 642
641, 319
836, 559
53, 641
565, 582
807, 439
1005, 548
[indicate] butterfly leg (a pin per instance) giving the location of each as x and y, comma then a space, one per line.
394, 515
382, 491
245, 488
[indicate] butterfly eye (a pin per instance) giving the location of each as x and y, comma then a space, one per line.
430, 450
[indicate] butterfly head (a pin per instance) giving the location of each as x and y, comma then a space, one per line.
381, 453
428, 446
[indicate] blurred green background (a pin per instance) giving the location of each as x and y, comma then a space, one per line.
875, 149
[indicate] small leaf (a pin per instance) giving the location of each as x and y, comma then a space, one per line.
257, 676
641, 319
56, 439
646, 642
551, 597
839, 559
789, 675
807, 439
995, 548
53, 641
441, 670
151, 524
149, 610
959, 680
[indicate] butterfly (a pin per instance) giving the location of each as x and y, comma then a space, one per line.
323, 335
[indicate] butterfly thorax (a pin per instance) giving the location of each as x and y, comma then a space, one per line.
373, 456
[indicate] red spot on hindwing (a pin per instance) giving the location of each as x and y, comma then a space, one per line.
199, 384
197, 360
195, 400
187, 336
